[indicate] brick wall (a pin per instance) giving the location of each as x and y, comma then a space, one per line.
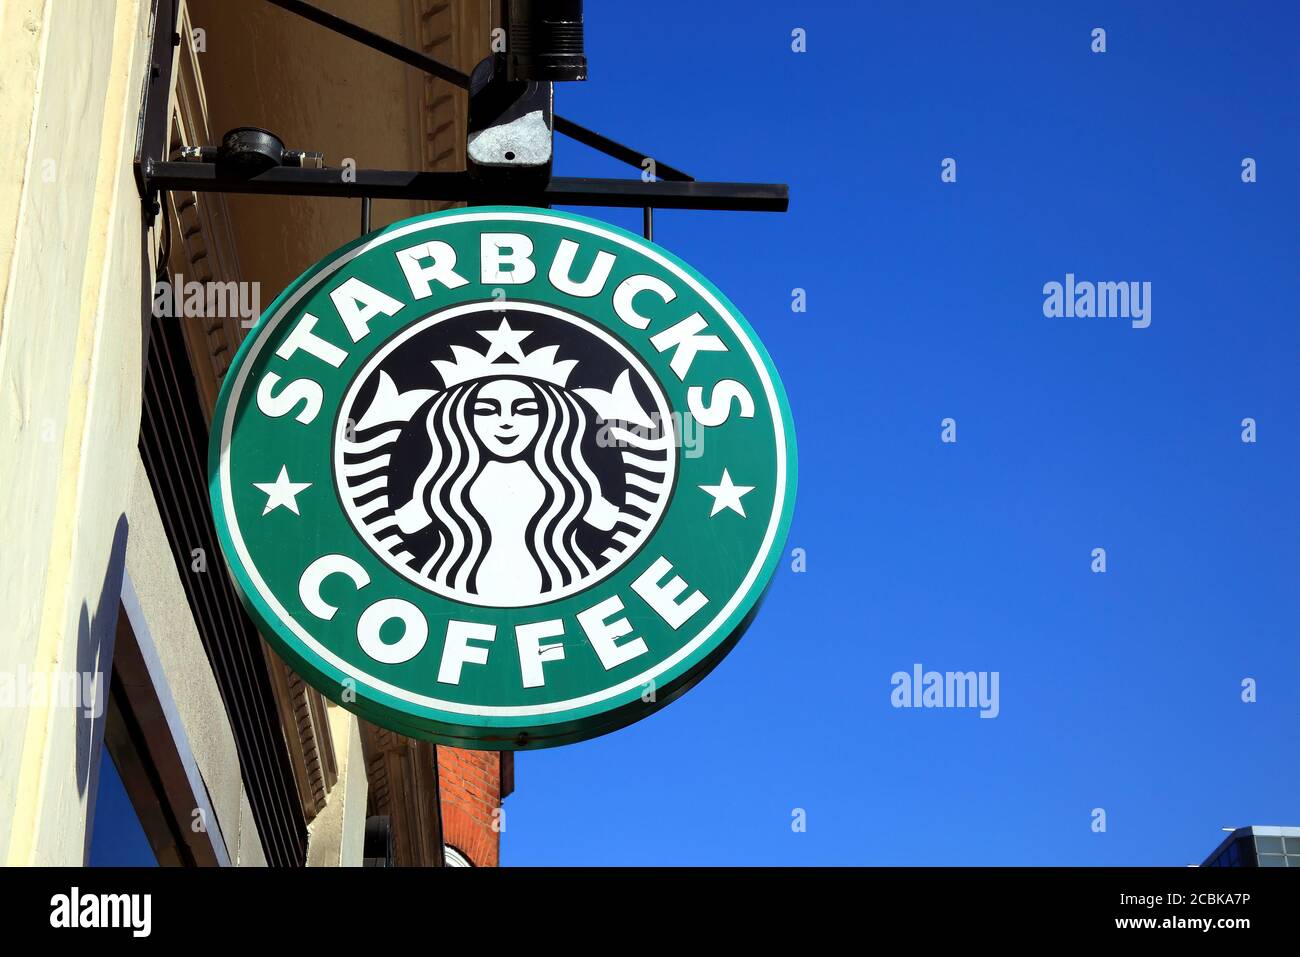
471, 786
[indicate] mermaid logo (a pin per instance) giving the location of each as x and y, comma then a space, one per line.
484, 472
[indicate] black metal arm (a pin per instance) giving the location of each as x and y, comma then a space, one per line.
154, 172
461, 187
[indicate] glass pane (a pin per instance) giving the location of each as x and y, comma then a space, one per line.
117, 840
1272, 860
1268, 845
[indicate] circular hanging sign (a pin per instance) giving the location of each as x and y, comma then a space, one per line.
502, 478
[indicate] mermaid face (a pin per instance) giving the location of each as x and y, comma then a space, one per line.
505, 417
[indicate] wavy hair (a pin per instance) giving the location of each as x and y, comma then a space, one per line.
456, 460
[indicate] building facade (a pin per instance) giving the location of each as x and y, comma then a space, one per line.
124, 639
1257, 846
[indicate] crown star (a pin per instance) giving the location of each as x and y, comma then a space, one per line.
505, 341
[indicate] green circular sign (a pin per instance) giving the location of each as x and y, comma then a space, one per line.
502, 477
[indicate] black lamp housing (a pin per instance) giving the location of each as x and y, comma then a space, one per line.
544, 40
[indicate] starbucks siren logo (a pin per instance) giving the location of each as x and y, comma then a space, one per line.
504, 503
468, 518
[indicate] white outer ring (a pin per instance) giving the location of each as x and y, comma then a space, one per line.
455, 707
454, 594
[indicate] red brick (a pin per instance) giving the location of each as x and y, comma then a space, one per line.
470, 782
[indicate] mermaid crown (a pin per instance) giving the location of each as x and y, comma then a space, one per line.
504, 343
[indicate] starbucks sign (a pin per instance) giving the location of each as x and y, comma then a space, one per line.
501, 477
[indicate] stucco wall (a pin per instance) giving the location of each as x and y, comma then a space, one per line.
337, 835
71, 251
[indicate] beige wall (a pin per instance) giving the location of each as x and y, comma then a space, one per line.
71, 254
336, 837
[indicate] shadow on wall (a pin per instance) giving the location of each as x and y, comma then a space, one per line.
95, 636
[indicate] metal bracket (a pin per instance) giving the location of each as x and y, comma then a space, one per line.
151, 134
507, 183
510, 125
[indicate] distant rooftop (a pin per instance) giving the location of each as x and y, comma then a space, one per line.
1258, 845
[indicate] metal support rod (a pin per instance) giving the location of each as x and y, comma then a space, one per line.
459, 187
375, 41
607, 146
382, 44
365, 215
648, 223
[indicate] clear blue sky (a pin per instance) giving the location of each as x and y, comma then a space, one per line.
1120, 691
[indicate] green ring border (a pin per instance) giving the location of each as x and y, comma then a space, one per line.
502, 732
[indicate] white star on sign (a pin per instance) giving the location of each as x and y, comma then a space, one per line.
282, 492
505, 341
726, 494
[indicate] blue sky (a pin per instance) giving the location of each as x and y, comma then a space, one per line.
1119, 690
